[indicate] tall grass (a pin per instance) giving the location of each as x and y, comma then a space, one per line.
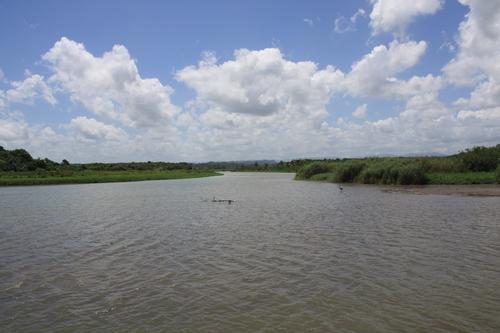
404, 171
398, 170
348, 171
88, 176
311, 169
393, 172
461, 178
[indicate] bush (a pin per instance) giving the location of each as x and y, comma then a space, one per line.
498, 174
480, 158
348, 171
312, 169
441, 164
394, 172
411, 174
327, 176
456, 178
372, 174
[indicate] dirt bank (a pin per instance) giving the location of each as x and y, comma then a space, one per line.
466, 190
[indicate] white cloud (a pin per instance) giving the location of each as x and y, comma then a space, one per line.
487, 117
375, 74
13, 130
89, 129
396, 15
479, 36
478, 63
260, 104
27, 91
110, 86
485, 95
308, 21
425, 125
341, 24
361, 111
261, 83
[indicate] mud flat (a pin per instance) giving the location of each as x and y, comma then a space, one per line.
463, 190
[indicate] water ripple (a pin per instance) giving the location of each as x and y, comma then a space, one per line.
286, 256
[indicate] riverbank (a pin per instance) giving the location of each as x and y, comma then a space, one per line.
461, 190
475, 166
93, 176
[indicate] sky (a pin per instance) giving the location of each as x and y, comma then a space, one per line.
109, 81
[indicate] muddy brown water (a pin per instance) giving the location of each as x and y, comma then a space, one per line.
286, 256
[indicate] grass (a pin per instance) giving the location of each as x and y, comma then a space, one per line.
326, 176
92, 176
397, 171
460, 178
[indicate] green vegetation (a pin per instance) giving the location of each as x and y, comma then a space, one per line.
249, 166
460, 178
17, 167
478, 165
326, 176
90, 176
472, 166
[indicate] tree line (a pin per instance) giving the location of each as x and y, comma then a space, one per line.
19, 160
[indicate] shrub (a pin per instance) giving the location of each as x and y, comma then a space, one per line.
348, 171
312, 169
393, 172
441, 164
480, 158
455, 178
498, 174
327, 176
411, 174
372, 174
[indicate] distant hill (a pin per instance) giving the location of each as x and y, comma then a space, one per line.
234, 165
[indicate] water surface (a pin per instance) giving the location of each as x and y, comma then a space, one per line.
287, 256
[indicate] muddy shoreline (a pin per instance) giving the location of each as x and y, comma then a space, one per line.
489, 190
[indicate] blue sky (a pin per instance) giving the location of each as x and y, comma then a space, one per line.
320, 79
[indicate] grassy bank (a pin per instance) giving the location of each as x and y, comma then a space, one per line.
479, 165
93, 176
460, 178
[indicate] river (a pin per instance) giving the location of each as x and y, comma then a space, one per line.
286, 256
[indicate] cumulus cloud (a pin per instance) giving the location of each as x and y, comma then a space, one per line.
27, 91
260, 99
425, 125
361, 111
478, 56
477, 64
261, 104
375, 74
89, 129
261, 83
110, 86
396, 15
13, 130
342, 24
485, 95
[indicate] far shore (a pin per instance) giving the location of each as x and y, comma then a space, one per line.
93, 176
485, 190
